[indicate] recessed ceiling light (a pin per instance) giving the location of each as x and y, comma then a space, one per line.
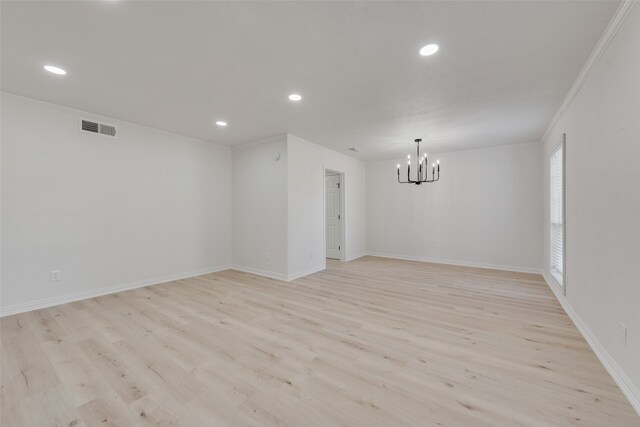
55, 70
295, 97
221, 123
429, 50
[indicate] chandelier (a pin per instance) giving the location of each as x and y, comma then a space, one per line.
422, 167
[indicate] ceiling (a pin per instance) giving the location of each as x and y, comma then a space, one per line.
502, 71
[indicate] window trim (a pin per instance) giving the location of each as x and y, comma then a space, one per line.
560, 281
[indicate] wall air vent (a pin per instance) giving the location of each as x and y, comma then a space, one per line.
90, 126
108, 130
95, 127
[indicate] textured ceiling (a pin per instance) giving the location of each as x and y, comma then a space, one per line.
502, 70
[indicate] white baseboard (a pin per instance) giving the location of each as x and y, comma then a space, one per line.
356, 256
307, 272
629, 389
457, 262
260, 272
92, 293
276, 275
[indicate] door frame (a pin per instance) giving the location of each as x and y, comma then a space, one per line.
343, 244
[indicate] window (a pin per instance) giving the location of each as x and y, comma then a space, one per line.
557, 213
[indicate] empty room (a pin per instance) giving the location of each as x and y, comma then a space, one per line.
319, 213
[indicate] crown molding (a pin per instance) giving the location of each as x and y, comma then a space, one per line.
608, 35
322, 147
275, 138
112, 120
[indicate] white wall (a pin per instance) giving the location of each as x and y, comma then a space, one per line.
150, 206
260, 208
603, 203
485, 210
144, 207
306, 239
278, 206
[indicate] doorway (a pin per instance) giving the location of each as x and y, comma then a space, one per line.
334, 215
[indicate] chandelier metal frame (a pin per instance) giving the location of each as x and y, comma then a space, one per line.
422, 176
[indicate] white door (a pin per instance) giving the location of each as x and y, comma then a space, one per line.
333, 202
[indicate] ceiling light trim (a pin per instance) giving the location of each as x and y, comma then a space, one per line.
612, 28
429, 49
53, 69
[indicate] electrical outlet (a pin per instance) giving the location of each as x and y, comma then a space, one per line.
623, 333
267, 255
310, 254
55, 275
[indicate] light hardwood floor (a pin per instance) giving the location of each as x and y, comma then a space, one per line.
373, 342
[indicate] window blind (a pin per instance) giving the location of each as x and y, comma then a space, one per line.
557, 214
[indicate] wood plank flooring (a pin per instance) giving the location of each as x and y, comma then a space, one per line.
373, 342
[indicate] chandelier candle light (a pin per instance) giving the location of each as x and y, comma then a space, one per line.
423, 169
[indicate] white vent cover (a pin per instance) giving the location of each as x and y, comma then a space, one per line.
95, 127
